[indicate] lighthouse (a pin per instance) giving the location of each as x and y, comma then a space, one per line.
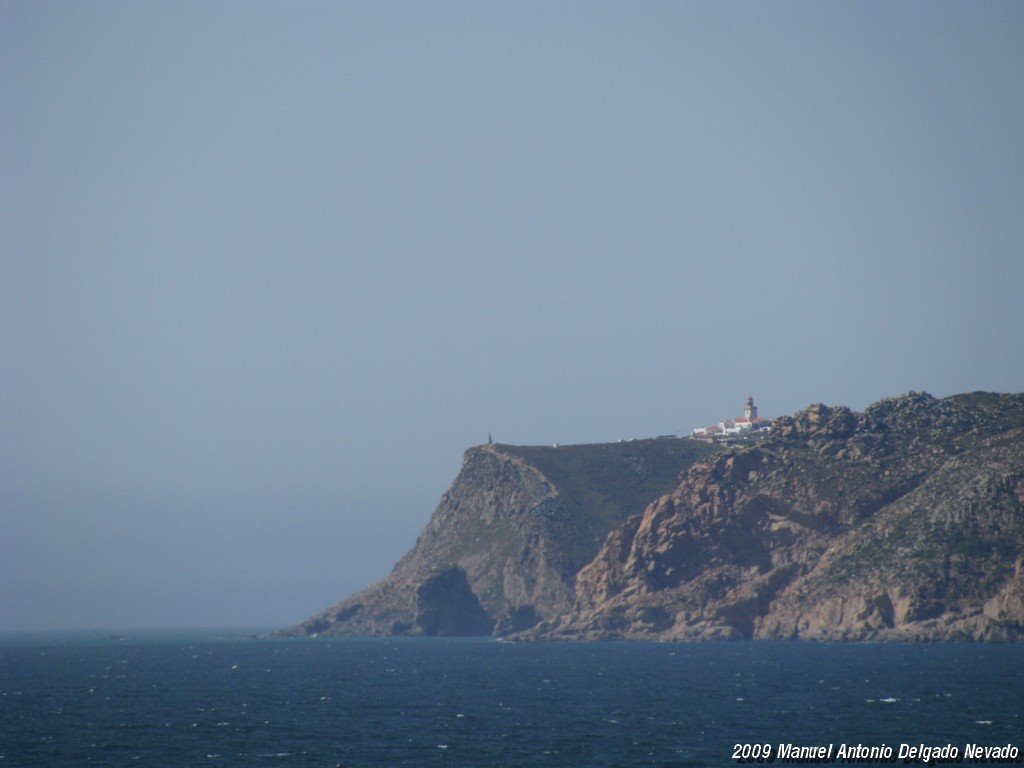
723, 430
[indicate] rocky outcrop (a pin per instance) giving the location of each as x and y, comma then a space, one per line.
941, 562
518, 523
905, 522
446, 606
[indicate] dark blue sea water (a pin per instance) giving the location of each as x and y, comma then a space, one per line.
201, 700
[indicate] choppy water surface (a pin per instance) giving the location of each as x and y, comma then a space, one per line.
203, 700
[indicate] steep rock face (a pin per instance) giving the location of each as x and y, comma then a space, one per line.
902, 522
942, 562
519, 522
446, 606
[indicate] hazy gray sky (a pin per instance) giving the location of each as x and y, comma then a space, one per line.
269, 268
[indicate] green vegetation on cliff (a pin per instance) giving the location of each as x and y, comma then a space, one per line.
603, 484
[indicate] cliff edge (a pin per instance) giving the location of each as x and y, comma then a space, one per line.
503, 548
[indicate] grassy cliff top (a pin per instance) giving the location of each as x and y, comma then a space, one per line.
602, 481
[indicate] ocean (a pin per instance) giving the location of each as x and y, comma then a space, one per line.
203, 699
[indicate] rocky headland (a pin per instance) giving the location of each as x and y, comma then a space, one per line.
509, 536
904, 522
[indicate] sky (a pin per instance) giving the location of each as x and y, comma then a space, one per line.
267, 269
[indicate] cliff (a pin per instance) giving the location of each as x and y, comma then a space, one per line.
905, 522
503, 548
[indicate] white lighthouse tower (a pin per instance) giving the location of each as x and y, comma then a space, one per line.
750, 412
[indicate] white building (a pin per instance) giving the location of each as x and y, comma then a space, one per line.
749, 422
